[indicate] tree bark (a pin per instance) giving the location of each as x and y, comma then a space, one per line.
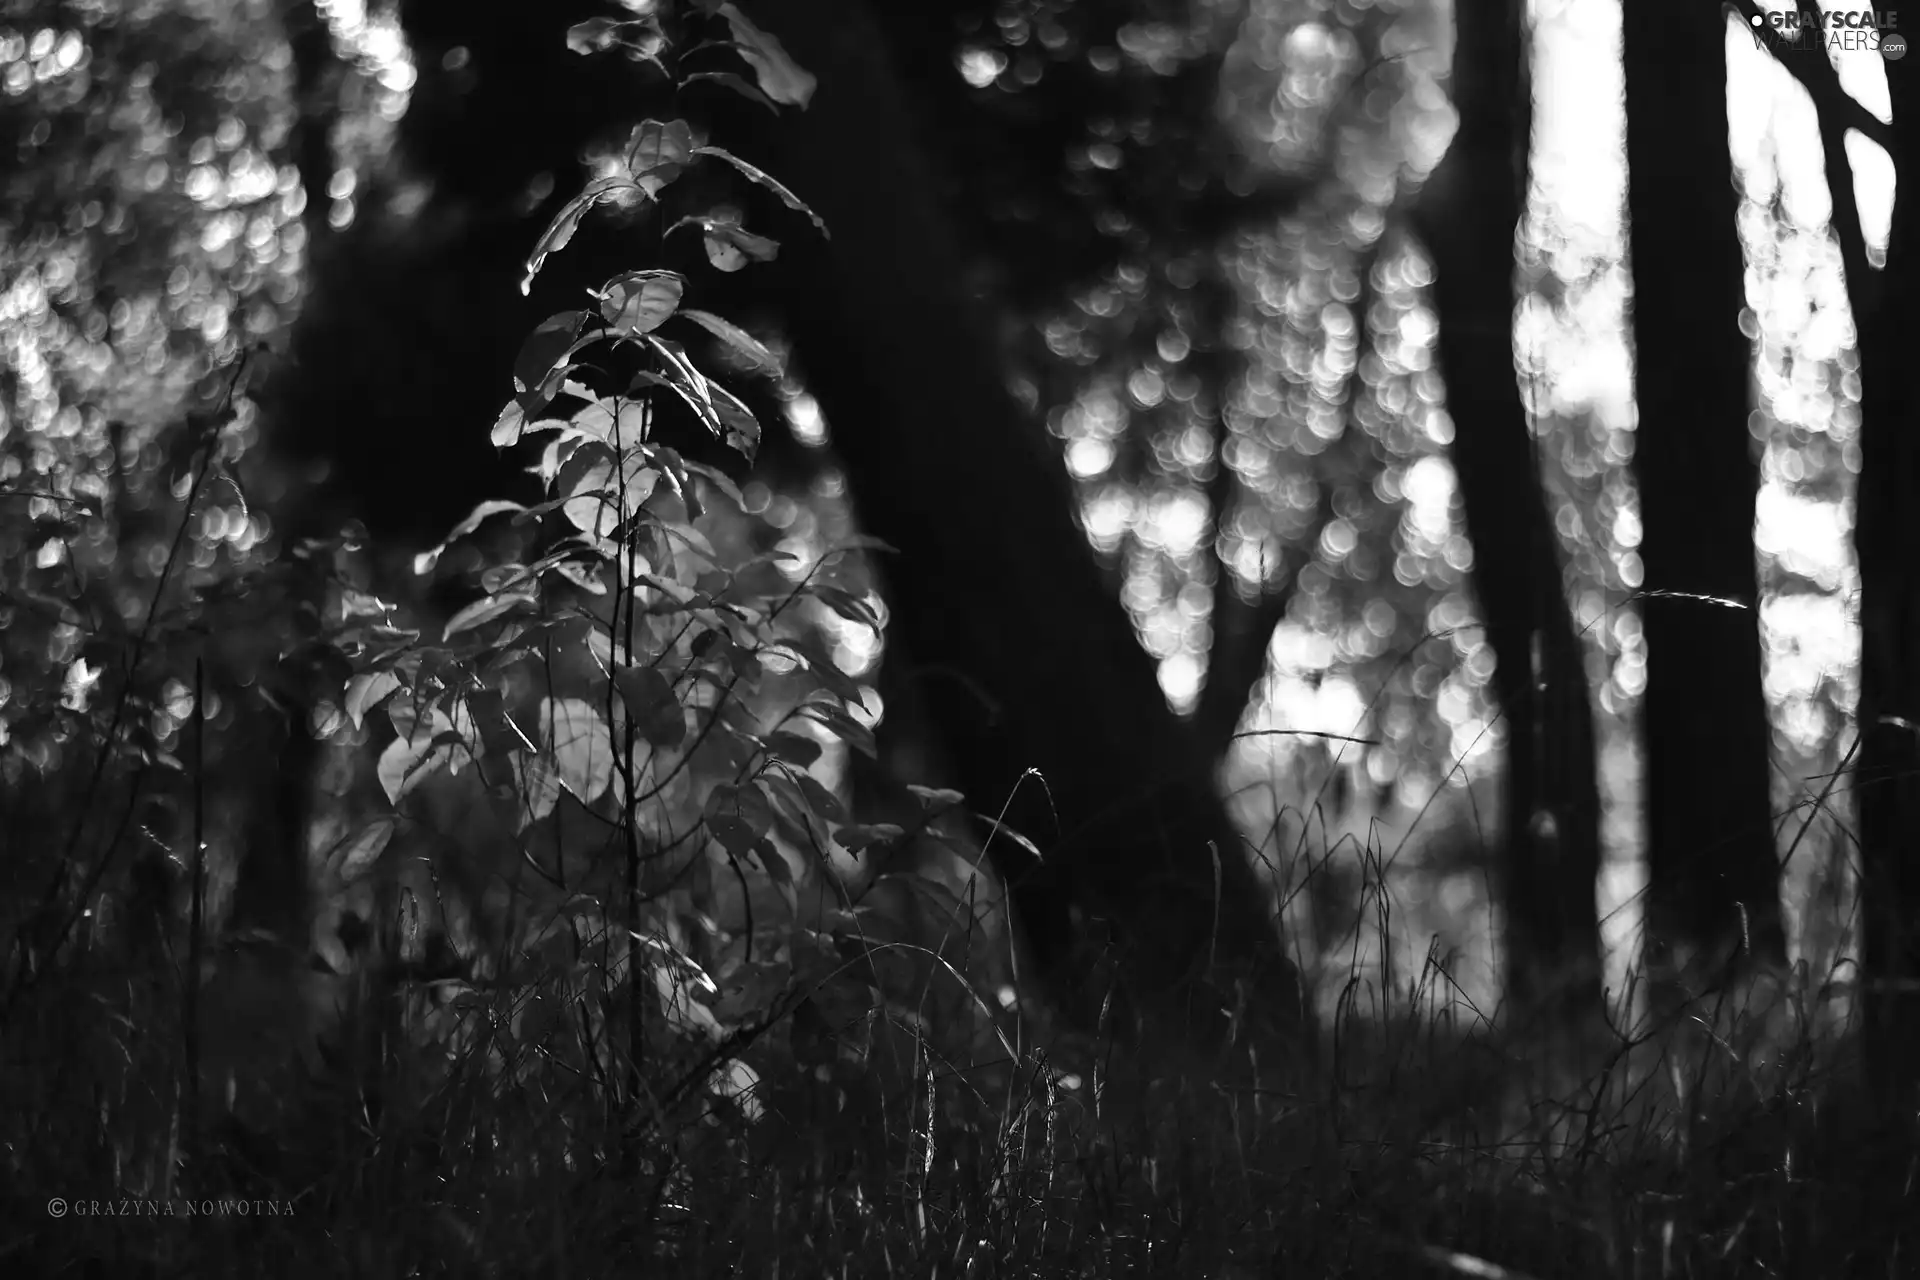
1027, 661
1713, 898
1467, 215
1887, 541
316, 106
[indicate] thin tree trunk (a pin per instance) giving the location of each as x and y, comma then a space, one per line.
1886, 309
1713, 897
1242, 629
1887, 540
1550, 845
316, 104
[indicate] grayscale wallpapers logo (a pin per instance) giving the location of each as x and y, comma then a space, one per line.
1832, 30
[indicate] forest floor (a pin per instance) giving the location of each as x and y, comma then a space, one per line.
1733, 1143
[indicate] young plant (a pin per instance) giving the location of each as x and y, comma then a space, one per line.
643, 710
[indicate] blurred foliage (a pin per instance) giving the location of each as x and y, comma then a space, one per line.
148, 235
1249, 409
1296, 349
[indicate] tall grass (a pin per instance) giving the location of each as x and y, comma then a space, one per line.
378, 1127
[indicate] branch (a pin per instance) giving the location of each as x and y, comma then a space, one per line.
1822, 83
1823, 86
1242, 631
317, 102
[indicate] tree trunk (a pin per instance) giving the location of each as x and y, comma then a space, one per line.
1027, 661
1887, 540
316, 86
1713, 897
1550, 851
1242, 629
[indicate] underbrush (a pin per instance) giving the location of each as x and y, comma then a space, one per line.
1419, 1144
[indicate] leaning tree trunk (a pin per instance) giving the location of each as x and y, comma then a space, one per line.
1550, 850
1027, 661
1713, 897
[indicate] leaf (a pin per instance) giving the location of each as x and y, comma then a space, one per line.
776, 866
639, 301
675, 981
567, 221
692, 387
719, 479
498, 733
936, 901
998, 829
545, 347
426, 560
482, 513
362, 604
738, 817
592, 36
761, 359
507, 427
585, 575
767, 180
734, 81
327, 721
586, 481
485, 610
673, 470
365, 692
842, 726
823, 667
793, 748
824, 802
499, 578
800, 823
690, 538
355, 855
729, 247
594, 503
727, 257
732, 835
658, 153
538, 785
849, 606
656, 713
935, 797
605, 648
692, 384
581, 746
428, 746
711, 646
753, 988
618, 421
641, 38
781, 78
861, 836
741, 429
739, 1084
